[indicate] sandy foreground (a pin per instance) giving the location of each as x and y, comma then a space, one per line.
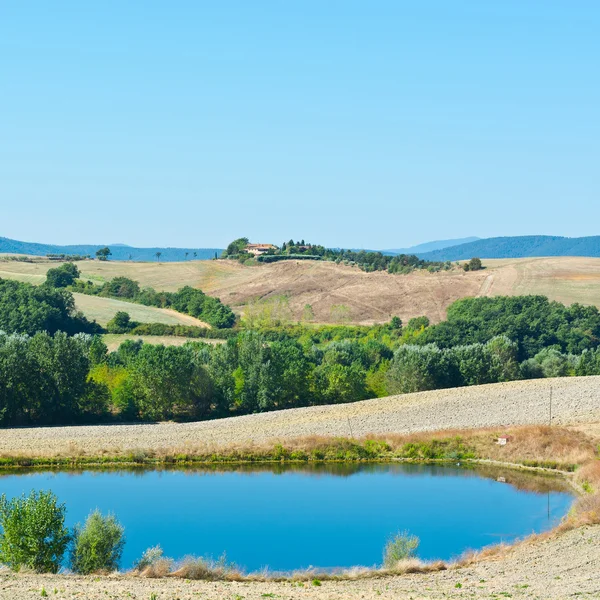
575, 400
564, 566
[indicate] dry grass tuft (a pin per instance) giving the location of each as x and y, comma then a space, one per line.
205, 569
589, 475
159, 568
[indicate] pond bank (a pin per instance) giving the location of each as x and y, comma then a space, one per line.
557, 566
500, 405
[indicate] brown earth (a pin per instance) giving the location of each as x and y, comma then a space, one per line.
575, 401
364, 297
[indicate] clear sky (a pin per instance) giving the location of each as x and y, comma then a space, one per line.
374, 124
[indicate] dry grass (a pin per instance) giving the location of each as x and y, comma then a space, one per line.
103, 310
114, 340
369, 297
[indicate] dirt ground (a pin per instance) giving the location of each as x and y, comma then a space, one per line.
575, 400
365, 297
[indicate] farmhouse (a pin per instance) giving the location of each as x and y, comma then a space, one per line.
258, 249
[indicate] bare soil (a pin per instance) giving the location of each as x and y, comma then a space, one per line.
368, 297
575, 400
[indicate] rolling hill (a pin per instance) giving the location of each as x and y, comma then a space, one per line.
340, 293
431, 246
518, 247
119, 251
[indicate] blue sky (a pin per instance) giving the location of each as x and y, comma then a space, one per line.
356, 124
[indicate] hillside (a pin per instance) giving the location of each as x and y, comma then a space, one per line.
368, 297
430, 246
574, 401
119, 251
518, 247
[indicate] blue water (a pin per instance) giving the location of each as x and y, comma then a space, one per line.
290, 518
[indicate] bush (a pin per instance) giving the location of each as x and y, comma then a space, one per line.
63, 276
98, 545
121, 323
400, 547
33, 532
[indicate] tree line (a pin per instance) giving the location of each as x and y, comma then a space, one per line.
367, 260
53, 376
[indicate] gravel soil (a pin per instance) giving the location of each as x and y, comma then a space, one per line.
564, 566
575, 400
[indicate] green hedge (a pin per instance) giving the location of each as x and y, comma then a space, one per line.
269, 258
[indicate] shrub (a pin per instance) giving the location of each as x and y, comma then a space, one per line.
400, 547
63, 276
98, 545
121, 323
153, 564
33, 532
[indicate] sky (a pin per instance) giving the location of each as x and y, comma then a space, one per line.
374, 124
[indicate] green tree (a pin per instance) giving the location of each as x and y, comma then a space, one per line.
103, 253
237, 246
97, 545
475, 264
33, 532
121, 287
63, 276
120, 323
158, 255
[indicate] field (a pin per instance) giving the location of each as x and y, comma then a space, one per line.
575, 401
103, 310
114, 340
339, 293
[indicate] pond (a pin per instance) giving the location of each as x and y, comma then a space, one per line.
291, 517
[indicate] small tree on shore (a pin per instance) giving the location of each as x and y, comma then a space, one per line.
98, 545
33, 532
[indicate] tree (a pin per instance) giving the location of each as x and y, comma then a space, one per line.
98, 545
158, 255
121, 287
186, 255
63, 276
120, 323
474, 265
237, 246
25, 308
103, 253
195, 255
33, 532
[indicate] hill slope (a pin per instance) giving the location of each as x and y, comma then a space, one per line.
119, 251
519, 247
574, 400
368, 297
431, 246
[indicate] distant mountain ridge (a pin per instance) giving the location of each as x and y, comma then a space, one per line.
119, 251
431, 246
523, 246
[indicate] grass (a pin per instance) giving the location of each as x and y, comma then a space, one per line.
370, 297
114, 340
103, 310
532, 447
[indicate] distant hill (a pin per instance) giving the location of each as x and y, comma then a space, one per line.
119, 251
430, 246
519, 247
